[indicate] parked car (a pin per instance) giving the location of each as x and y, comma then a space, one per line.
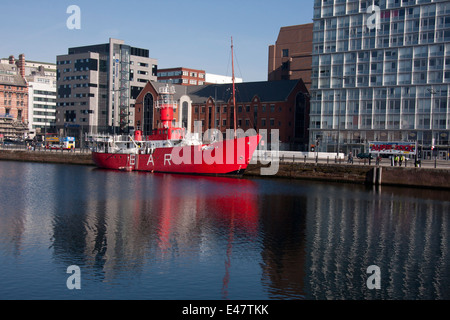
364, 156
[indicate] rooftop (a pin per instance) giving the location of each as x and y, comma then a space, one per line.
9, 75
267, 91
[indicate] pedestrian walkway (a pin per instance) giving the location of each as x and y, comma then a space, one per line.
353, 161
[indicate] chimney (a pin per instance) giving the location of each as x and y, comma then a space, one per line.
12, 60
21, 65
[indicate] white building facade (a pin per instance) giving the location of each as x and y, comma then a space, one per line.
220, 79
41, 103
380, 72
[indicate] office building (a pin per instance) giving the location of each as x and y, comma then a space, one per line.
192, 77
41, 101
291, 56
380, 72
98, 85
182, 76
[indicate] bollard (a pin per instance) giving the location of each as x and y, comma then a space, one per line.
380, 170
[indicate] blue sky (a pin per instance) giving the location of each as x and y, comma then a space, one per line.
193, 33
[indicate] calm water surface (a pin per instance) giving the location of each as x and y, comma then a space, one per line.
152, 236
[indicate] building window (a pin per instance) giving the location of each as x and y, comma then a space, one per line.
285, 52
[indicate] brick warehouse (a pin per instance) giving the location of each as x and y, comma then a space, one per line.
282, 105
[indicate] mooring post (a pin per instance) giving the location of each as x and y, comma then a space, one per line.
380, 170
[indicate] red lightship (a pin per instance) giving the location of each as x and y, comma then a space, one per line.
172, 150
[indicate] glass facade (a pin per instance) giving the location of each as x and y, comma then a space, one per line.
380, 72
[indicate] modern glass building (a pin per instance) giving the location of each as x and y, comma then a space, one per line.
380, 72
98, 84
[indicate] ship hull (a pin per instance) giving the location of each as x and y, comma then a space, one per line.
219, 158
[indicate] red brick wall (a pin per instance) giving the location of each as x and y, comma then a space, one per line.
14, 99
298, 41
278, 115
139, 108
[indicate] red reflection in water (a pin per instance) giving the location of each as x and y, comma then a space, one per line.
229, 200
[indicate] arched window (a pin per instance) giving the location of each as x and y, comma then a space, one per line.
148, 115
184, 115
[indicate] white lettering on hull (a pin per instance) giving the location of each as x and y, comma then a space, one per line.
167, 158
150, 160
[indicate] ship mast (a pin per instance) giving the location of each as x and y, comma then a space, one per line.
234, 88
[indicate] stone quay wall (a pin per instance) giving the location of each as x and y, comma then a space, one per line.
359, 174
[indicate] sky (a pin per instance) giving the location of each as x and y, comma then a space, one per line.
193, 34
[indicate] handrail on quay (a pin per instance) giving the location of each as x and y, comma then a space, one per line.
331, 158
